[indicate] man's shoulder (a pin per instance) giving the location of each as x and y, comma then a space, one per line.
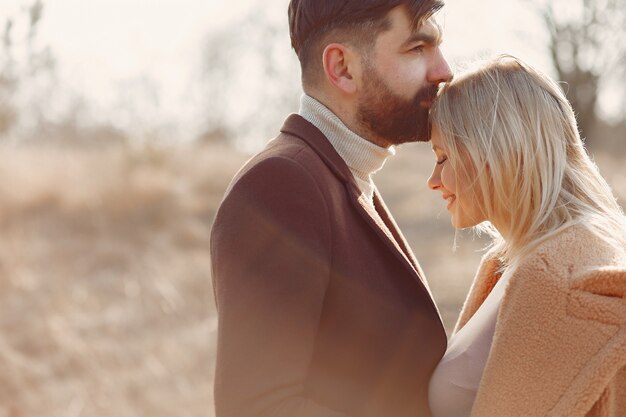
285, 155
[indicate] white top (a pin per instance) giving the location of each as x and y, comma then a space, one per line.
455, 382
363, 157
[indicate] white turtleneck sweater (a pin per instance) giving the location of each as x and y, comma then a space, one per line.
362, 157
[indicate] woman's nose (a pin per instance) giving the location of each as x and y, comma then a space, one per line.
434, 182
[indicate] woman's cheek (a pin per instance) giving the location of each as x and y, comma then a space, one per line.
448, 179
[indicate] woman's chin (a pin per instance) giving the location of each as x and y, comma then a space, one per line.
455, 223
462, 224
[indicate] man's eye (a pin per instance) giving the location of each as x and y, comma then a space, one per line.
442, 160
418, 48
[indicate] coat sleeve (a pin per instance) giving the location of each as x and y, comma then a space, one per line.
558, 343
270, 252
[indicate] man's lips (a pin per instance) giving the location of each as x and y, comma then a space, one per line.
427, 103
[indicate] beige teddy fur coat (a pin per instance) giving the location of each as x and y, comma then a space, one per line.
560, 342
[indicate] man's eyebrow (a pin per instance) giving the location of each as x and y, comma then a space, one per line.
431, 39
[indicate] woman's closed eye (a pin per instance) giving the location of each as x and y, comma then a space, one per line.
442, 160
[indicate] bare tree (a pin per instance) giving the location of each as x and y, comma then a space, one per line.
251, 80
8, 81
18, 73
588, 50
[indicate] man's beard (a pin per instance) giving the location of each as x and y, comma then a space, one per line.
393, 118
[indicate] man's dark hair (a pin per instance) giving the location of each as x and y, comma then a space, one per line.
315, 23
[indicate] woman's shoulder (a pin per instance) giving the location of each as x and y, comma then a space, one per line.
567, 295
574, 251
578, 266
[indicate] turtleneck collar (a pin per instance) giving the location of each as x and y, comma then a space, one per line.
364, 158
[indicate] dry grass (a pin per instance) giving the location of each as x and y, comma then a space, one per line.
106, 304
106, 301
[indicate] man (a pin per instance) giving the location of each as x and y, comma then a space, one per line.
323, 310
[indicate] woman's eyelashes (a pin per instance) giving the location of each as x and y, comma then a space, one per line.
442, 160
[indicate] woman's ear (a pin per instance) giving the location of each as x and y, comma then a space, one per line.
341, 67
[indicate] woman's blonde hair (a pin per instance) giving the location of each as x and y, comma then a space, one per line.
533, 175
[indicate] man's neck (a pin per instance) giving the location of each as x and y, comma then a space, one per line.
363, 157
345, 113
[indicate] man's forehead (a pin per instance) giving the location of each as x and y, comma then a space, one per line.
405, 32
401, 18
429, 32
430, 29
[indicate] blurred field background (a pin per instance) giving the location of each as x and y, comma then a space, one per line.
106, 305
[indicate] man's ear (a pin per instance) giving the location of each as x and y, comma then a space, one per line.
341, 67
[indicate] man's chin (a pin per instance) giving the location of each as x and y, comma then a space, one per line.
397, 124
416, 135
422, 135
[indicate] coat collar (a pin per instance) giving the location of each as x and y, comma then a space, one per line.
378, 218
296, 125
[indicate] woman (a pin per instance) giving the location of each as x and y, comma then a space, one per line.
543, 329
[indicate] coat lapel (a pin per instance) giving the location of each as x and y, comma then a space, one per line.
377, 218
296, 125
487, 276
385, 227
396, 236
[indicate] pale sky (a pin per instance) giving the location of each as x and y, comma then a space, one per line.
118, 52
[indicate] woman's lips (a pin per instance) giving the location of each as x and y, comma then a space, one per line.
450, 199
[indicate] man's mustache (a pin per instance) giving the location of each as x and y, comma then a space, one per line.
427, 93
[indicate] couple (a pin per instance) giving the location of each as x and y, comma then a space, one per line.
324, 311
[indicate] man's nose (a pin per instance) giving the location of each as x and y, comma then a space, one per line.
440, 71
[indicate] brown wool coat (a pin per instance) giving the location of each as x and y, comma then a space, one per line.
559, 348
321, 311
